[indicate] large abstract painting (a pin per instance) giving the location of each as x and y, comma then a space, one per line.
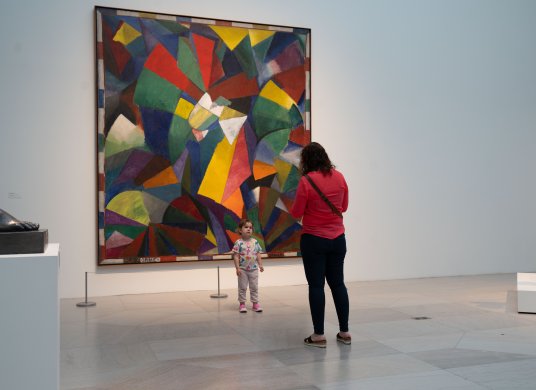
200, 123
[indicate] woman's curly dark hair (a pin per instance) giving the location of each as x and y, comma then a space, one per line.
315, 158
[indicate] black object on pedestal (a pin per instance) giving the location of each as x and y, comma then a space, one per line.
17, 243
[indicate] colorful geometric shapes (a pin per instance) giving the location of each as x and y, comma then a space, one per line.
201, 123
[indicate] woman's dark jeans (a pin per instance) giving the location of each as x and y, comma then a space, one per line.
323, 259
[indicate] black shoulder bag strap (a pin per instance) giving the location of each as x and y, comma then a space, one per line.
324, 198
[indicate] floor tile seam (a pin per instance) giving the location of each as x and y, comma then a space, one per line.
110, 345
365, 358
519, 357
528, 359
468, 380
429, 369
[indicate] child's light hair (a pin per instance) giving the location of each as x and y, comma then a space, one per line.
242, 223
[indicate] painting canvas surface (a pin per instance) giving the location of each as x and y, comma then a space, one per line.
200, 123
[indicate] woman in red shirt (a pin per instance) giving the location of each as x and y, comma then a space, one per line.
323, 244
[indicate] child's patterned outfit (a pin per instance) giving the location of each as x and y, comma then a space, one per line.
248, 250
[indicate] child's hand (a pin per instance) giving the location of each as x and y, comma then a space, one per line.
261, 268
238, 272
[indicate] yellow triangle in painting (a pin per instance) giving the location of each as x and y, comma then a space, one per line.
257, 36
235, 202
210, 236
215, 179
126, 34
261, 169
272, 92
232, 36
283, 170
164, 178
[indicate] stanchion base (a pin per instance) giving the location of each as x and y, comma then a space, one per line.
86, 304
218, 295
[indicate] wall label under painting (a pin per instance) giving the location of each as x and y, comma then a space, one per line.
200, 124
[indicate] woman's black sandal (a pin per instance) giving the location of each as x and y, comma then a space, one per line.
319, 344
345, 340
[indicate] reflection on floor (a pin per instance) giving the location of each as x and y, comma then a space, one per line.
473, 339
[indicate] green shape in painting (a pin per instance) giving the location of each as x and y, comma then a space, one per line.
295, 116
208, 145
269, 116
229, 223
126, 230
173, 27
137, 47
277, 140
292, 181
152, 91
261, 48
253, 215
180, 132
302, 39
220, 51
114, 166
188, 63
244, 55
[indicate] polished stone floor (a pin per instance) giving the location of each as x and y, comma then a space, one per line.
472, 338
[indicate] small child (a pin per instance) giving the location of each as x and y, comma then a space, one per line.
248, 262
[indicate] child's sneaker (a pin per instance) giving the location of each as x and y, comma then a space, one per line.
256, 307
242, 308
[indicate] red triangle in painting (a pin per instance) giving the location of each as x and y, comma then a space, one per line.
186, 206
162, 63
240, 169
133, 249
205, 49
300, 136
293, 82
235, 87
187, 238
217, 70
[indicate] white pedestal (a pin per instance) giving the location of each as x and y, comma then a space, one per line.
29, 320
526, 292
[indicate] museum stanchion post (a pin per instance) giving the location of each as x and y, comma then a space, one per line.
218, 295
86, 303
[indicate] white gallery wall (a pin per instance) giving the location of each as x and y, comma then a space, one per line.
427, 106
